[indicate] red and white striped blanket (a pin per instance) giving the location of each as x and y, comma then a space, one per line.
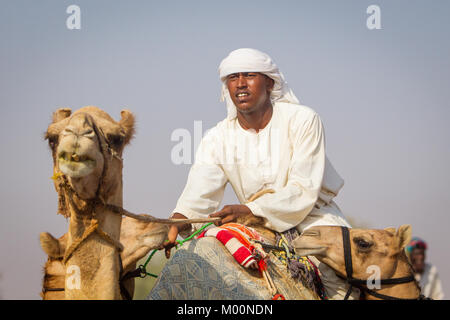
237, 238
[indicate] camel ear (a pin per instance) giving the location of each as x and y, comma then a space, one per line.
61, 114
127, 123
390, 230
404, 234
50, 245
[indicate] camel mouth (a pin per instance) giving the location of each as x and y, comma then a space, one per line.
76, 166
162, 230
155, 238
310, 251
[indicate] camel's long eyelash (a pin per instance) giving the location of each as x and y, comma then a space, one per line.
52, 140
116, 140
362, 243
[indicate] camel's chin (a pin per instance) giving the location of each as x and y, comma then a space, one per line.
155, 239
77, 169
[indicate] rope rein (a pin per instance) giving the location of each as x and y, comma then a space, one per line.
143, 267
276, 295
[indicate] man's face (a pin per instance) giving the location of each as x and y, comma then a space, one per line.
418, 259
249, 90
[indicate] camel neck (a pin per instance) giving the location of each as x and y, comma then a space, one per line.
96, 257
83, 211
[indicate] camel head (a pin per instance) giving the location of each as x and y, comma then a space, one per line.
381, 248
87, 147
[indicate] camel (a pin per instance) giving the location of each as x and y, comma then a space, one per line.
137, 238
380, 248
87, 149
54, 270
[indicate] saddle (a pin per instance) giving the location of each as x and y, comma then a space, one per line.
250, 250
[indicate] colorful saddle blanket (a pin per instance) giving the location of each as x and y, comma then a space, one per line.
240, 242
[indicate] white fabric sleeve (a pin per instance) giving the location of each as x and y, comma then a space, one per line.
436, 287
205, 185
289, 205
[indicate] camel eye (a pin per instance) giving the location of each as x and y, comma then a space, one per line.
52, 140
362, 244
116, 140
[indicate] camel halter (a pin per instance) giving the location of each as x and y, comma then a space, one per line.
362, 284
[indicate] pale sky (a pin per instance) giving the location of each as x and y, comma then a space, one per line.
383, 96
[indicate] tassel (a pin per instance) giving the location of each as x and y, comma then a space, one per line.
262, 266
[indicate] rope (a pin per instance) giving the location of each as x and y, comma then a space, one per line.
259, 194
93, 227
267, 277
76, 243
108, 238
149, 218
143, 267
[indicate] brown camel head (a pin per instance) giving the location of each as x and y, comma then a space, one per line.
381, 248
87, 147
87, 151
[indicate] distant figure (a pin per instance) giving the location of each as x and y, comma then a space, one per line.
426, 274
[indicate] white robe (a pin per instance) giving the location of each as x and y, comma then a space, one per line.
430, 283
288, 156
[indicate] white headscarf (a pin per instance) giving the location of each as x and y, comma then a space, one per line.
252, 60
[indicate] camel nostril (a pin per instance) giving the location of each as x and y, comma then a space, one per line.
62, 155
311, 233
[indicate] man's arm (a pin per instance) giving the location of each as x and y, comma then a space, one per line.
173, 233
203, 191
436, 287
231, 213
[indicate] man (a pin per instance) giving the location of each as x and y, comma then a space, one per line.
425, 273
267, 141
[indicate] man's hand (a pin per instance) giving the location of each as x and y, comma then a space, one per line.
231, 213
173, 234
